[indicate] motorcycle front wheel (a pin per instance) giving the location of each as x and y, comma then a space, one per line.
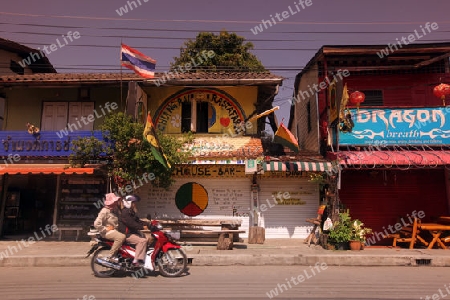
172, 263
99, 270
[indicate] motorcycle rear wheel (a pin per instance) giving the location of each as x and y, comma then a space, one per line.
172, 263
99, 270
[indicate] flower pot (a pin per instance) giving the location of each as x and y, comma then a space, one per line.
342, 246
355, 245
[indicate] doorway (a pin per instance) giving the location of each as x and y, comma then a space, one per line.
30, 202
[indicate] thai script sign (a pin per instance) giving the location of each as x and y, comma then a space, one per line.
46, 143
398, 126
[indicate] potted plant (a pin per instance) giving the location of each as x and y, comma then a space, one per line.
341, 233
358, 235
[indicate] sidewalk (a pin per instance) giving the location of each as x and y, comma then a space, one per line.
52, 253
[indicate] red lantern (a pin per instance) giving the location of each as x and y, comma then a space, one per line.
441, 91
356, 98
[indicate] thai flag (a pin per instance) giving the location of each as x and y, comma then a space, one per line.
136, 61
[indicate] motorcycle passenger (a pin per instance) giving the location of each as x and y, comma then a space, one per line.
107, 224
130, 225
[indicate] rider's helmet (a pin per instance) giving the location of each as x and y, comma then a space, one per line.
132, 198
129, 199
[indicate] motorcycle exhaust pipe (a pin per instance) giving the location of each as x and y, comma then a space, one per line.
107, 264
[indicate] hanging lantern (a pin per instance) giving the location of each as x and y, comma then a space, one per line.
356, 98
441, 91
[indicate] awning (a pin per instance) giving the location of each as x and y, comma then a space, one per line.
42, 169
297, 166
394, 158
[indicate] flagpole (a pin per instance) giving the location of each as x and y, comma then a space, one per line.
265, 113
121, 88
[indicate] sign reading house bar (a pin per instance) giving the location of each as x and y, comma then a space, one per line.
399, 126
209, 171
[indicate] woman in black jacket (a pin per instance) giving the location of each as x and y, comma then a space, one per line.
130, 225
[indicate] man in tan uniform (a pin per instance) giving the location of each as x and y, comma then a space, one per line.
107, 223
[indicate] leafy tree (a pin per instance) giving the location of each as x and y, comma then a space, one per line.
86, 150
129, 155
231, 53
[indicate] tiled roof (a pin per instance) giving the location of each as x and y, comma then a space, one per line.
40, 78
217, 147
216, 78
177, 79
224, 75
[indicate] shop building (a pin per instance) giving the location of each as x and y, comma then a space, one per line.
232, 173
41, 116
391, 154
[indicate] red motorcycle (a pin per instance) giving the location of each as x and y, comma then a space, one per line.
165, 255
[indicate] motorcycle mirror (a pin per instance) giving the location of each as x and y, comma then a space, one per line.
149, 216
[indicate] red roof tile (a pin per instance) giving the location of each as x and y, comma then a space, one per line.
177, 79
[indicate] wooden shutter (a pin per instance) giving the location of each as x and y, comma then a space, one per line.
77, 110
54, 116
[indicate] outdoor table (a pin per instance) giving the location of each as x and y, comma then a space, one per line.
436, 230
444, 219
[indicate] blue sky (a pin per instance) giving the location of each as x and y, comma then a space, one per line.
159, 28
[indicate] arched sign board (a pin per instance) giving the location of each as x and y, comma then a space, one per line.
224, 111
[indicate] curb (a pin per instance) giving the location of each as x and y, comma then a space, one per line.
45, 261
250, 260
330, 260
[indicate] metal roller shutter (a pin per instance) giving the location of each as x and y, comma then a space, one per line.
287, 220
380, 198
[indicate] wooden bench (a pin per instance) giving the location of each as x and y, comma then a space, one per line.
226, 236
66, 228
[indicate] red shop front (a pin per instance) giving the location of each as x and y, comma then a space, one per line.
382, 197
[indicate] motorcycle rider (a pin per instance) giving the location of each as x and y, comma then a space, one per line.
107, 224
130, 225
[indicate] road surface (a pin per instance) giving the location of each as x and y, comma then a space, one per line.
231, 282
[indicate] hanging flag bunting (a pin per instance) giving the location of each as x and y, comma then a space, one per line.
284, 137
137, 61
152, 138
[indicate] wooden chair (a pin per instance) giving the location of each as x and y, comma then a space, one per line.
407, 235
446, 240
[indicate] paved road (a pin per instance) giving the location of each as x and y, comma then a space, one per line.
234, 282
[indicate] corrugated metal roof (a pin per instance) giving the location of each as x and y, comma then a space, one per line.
44, 169
433, 50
